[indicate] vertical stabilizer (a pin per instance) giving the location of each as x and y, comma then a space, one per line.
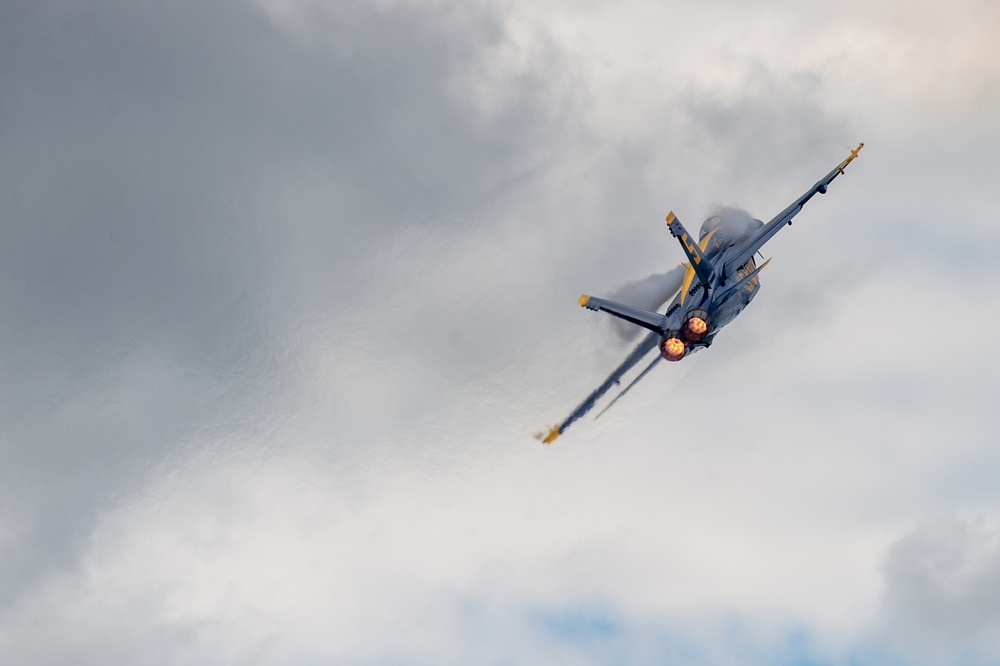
699, 262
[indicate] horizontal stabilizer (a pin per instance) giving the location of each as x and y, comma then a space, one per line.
650, 320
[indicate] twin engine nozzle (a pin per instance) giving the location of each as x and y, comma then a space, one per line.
676, 344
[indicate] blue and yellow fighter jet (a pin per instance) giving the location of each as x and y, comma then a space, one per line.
721, 279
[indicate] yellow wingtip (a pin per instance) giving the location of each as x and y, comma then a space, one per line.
583, 300
851, 157
550, 437
671, 217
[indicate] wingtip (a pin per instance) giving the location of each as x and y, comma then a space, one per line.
851, 157
548, 438
671, 217
584, 299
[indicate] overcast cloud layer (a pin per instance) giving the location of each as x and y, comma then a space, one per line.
288, 285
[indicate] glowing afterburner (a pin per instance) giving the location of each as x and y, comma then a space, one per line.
672, 349
695, 328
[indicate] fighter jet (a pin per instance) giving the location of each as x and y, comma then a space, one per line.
721, 279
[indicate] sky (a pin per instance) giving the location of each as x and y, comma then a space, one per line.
288, 286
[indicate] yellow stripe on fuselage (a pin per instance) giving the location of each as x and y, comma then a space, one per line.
688, 278
704, 241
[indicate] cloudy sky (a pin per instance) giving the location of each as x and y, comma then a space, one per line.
288, 285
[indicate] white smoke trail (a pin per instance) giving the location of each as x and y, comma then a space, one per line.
649, 294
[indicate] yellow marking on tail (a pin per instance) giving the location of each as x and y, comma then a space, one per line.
689, 274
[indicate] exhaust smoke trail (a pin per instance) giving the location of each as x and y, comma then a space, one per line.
649, 294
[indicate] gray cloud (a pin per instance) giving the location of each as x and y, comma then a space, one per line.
942, 591
149, 158
284, 295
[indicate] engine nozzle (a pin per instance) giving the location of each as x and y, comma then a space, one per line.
672, 349
696, 327
697, 323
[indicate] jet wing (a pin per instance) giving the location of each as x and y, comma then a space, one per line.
784, 217
646, 345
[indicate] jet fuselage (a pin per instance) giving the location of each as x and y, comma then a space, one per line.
714, 302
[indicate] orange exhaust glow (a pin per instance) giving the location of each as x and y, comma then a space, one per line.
672, 349
696, 327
